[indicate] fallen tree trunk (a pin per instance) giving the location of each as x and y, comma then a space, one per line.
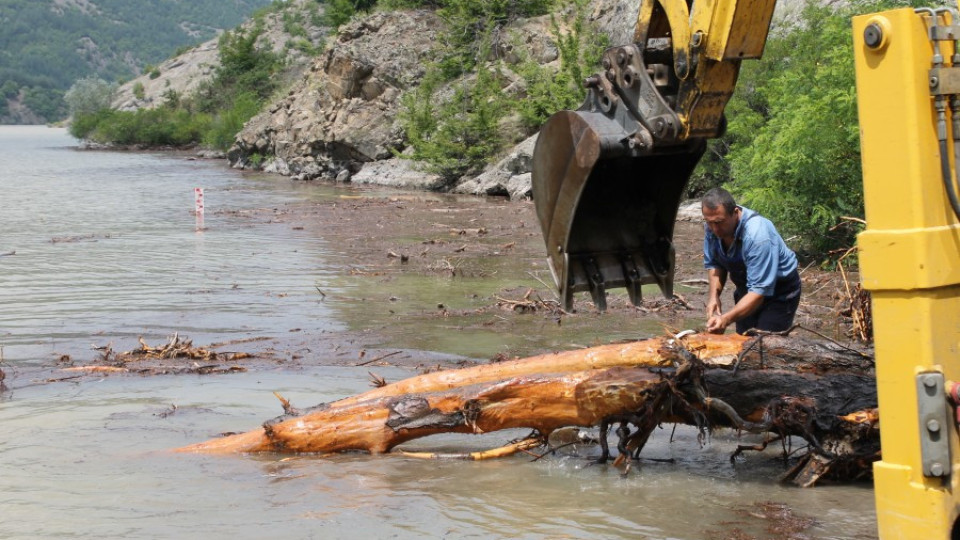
782, 386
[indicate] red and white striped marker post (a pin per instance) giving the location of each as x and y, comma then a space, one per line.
198, 206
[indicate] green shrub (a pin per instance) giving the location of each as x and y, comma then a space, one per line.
580, 50
338, 12
800, 163
469, 21
153, 127
9, 90
84, 123
458, 135
226, 124
138, 90
243, 69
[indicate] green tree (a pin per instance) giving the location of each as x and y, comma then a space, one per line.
89, 95
796, 150
244, 68
549, 91
452, 120
459, 134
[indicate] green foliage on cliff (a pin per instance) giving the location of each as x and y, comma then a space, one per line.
337, 12
46, 45
458, 134
454, 120
549, 90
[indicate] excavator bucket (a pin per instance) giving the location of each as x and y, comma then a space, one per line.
607, 201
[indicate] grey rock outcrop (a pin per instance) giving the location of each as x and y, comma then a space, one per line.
508, 177
180, 75
339, 122
398, 172
342, 113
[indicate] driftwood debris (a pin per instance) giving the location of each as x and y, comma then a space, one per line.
176, 356
783, 387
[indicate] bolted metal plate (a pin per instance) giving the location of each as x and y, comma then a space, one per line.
934, 429
945, 81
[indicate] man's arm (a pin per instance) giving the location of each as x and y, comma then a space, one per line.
716, 278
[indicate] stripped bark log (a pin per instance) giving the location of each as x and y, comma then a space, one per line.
777, 385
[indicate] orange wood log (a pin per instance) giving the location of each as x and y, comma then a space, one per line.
648, 352
541, 402
576, 388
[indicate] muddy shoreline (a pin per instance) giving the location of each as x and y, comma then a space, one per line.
386, 237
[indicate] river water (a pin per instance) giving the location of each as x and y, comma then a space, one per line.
105, 248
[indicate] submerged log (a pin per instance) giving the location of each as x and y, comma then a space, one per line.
782, 386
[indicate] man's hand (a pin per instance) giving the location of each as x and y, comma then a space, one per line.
716, 324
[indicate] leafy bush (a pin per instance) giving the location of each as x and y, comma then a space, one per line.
89, 95
83, 124
457, 135
549, 91
153, 127
452, 121
138, 91
338, 12
800, 162
226, 124
9, 90
243, 69
468, 22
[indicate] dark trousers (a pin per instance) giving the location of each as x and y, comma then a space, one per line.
777, 312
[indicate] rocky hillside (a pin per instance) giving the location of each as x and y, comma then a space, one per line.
339, 121
46, 45
341, 115
184, 73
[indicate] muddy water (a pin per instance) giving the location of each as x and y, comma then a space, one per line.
107, 250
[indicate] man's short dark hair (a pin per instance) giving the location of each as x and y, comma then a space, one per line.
717, 197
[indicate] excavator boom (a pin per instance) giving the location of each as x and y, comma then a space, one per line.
608, 177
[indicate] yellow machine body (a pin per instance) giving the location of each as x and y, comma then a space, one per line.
910, 261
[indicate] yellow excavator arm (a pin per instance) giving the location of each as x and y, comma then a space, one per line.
608, 177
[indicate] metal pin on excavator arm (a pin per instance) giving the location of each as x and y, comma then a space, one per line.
608, 177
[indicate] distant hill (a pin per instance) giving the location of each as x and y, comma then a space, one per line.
45, 45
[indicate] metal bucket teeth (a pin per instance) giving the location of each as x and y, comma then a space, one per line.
607, 214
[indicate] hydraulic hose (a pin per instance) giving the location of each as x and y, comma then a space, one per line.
948, 184
948, 179
940, 103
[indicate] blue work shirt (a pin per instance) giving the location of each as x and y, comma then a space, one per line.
758, 248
